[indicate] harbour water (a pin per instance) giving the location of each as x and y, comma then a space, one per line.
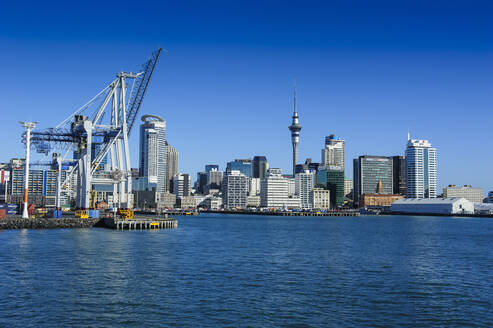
232, 270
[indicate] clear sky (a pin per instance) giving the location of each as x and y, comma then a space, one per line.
366, 70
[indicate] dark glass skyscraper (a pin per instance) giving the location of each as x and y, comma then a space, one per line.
399, 174
260, 167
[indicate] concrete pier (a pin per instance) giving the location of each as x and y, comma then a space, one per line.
141, 224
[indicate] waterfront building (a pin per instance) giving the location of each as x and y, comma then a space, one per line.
332, 178
235, 189
320, 198
378, 200
274, 191
254, 188
260, 167
144, 199
295, 129
334, 152
171, 166
291, 186
186, 202
421, 171
152, 152
490, 197
253, 201
467, 192
446, 206
372, 174
242, 165
213, 202
308, 166
166, 200
399, 175
181, 185
304, 184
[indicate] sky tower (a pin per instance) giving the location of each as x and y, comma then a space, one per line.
295, 129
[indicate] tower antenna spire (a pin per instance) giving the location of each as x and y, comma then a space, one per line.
295, 96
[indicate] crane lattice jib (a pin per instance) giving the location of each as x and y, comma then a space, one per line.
139, 93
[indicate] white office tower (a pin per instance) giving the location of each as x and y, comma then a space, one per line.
152, 168
171, 166
254, 189
334, 152
421, 171
304, 184
274, 191
235, 189
181, 185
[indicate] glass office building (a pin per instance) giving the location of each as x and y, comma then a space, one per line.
333, 180
242, 165
372, 175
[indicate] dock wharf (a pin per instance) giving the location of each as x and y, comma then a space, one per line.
141, 223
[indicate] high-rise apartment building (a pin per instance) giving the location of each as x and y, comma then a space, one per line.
372, 175
242, 165
235, 189
421, 170
474, 195
260, 167
42, 187
152, 159
181, 185
171, 166
399, 175
332, 178
214, 179
334, 152
274, 191
304, 184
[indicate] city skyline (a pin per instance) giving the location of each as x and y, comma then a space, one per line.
434, 82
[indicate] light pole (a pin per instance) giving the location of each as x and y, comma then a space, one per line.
28, 126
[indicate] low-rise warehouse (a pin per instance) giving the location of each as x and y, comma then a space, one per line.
433, 206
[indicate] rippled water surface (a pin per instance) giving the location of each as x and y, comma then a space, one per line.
220, 270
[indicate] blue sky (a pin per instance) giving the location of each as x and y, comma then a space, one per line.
366, 71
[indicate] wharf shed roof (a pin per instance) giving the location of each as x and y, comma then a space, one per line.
429, 201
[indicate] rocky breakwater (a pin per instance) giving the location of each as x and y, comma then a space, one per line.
42, 223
